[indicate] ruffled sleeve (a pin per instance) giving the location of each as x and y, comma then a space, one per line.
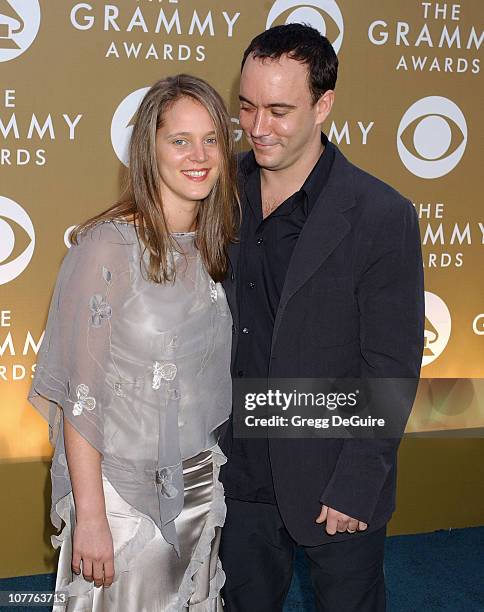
70, 376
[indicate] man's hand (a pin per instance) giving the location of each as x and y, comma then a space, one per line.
339, 522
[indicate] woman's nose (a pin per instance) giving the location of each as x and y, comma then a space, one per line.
198, 153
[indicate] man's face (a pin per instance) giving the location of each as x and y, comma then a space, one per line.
277, 112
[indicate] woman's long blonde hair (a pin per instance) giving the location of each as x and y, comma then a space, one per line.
141, 201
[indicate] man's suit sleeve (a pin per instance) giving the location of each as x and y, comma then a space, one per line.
391, 305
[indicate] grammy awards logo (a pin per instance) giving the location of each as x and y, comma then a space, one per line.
19, 24
11, 23
438, 326
431, 335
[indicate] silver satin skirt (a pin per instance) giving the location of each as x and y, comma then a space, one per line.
149, 575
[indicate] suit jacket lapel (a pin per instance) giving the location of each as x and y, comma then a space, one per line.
324, 229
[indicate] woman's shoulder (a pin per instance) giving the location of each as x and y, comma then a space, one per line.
109, 241
106, 234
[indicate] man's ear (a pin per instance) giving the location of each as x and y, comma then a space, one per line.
324, 105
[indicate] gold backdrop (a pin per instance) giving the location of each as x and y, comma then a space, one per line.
407, 110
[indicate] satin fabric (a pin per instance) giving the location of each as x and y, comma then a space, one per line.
154, 579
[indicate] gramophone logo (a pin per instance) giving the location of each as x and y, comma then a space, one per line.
438, 326
19, 24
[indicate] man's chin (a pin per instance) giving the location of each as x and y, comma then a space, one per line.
266, 160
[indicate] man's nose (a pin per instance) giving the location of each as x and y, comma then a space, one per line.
260, 127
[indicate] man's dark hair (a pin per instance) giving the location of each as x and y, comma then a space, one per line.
304, 44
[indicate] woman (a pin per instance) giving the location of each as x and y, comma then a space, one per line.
133, 372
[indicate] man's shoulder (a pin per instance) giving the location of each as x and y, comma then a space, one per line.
374, 194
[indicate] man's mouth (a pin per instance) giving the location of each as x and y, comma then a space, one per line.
263, 145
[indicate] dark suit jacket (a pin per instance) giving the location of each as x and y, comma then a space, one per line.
352, 306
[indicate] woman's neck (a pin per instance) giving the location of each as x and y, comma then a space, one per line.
181, 218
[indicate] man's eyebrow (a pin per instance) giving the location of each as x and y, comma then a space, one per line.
272, 105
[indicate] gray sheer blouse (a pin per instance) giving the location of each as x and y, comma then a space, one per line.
141, 370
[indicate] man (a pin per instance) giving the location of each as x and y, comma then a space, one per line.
327, 282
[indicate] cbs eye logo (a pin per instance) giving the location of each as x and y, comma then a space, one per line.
323, 15
123, 121
237, 131
19, 24
438, 325
67, 233
436, 123
15, 250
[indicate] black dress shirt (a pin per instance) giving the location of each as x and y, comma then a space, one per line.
266, 246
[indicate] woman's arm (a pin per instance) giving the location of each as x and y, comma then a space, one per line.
92, 541
71, 376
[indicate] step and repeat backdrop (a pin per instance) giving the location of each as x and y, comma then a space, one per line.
408, 109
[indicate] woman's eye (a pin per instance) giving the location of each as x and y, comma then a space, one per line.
179, 141
212, 140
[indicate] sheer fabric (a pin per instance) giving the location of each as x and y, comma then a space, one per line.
140, 369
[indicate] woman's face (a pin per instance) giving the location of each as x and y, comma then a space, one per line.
187, 153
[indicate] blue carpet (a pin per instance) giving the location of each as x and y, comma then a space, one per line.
441, 571
435, 572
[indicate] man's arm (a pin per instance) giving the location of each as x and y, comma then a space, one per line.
391, 302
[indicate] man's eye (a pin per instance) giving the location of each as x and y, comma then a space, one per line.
179, 141
212, 140
279, 114
245, 108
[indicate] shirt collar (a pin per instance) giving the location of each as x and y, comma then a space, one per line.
312, 186
319, 175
